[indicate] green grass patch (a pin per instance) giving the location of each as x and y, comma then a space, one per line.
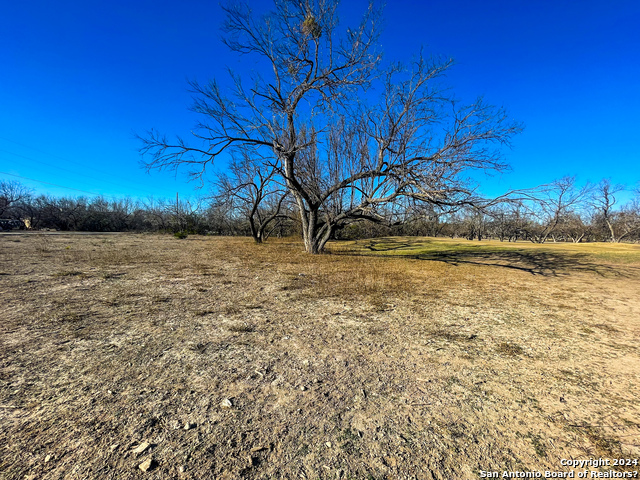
547, 258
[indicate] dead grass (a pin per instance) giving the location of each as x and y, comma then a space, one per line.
509, 349
392, 358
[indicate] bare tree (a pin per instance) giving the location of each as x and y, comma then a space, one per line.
627, 221
603, 201
343, 154
251, 186
11, 194
158, 213
552, 204
573, 227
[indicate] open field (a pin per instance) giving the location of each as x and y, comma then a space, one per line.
388, 358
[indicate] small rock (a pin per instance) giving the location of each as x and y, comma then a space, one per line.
189, 425
305, 363
303, 388
147, 465
114, 446
257, 449
181, 469
141, 448
328, 444
47, 458
226, 403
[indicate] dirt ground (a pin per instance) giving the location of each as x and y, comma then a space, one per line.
145, 356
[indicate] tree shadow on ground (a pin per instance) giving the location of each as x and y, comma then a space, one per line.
533, 261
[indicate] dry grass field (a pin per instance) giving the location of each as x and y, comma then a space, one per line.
144, 356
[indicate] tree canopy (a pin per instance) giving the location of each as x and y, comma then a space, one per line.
352, 136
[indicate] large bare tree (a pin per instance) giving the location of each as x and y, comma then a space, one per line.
350, 137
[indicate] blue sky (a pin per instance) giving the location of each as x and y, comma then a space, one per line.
79, 78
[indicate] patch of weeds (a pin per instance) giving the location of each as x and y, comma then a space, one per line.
457, 430
452, 336
241, 328
471, 356
43, 243
160, 298
606, 446
452, 380
181, 235
538, 445
213, 274
533, 402
587, 330
300, 282
376, 330
111, 275
349, 441
606, 328
509, 349
568, 373
381, 304
200, 347
68, 273
578, 378
72, 316
204, 313
303, 451
201, 269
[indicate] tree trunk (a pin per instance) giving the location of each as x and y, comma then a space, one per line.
612, 231
256, 232
315, 235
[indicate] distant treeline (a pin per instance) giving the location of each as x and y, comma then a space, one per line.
558, 212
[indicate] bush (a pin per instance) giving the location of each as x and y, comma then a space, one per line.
181, 235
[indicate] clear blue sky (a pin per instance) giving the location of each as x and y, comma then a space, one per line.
79, 78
